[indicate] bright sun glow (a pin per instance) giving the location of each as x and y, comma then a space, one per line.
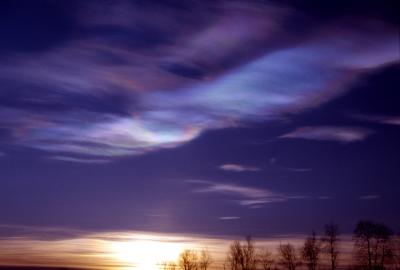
146, 254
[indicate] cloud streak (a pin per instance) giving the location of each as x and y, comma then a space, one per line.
329, 133
370, 197
229, 218
238, 168
80, 160
381, 119
243, 195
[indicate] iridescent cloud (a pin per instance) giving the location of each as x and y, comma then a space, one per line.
118, 91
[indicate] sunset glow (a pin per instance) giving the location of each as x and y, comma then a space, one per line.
109, 250
145, 254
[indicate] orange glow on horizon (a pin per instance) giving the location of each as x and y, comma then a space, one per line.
125, 250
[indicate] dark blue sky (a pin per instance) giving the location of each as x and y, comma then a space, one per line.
218, 118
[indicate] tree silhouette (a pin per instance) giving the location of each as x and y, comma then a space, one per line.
242, 256
311, 251
205, 260
265, 259
188, 260
373, 244
331, 243
288, 257
396, 252
375, 248
234, 256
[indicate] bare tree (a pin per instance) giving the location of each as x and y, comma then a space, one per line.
265, 259
234, 256
311, 251
331, 243
188, 260
363, 235
383, 249
205, 260
242, 256
288, 257
249, 252
396, 252
373, 245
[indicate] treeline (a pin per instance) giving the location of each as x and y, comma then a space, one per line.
376, 247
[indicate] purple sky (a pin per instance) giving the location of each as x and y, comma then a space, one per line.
208, 117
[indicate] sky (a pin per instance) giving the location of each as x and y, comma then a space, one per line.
207, 118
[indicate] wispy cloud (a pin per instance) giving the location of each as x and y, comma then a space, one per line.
213, 187
370, 197
238, 168
329, 133
38, 233
229, 218
392, 120
381, 119
80, 160
246, 196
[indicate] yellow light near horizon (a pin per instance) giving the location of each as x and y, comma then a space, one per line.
146, 254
